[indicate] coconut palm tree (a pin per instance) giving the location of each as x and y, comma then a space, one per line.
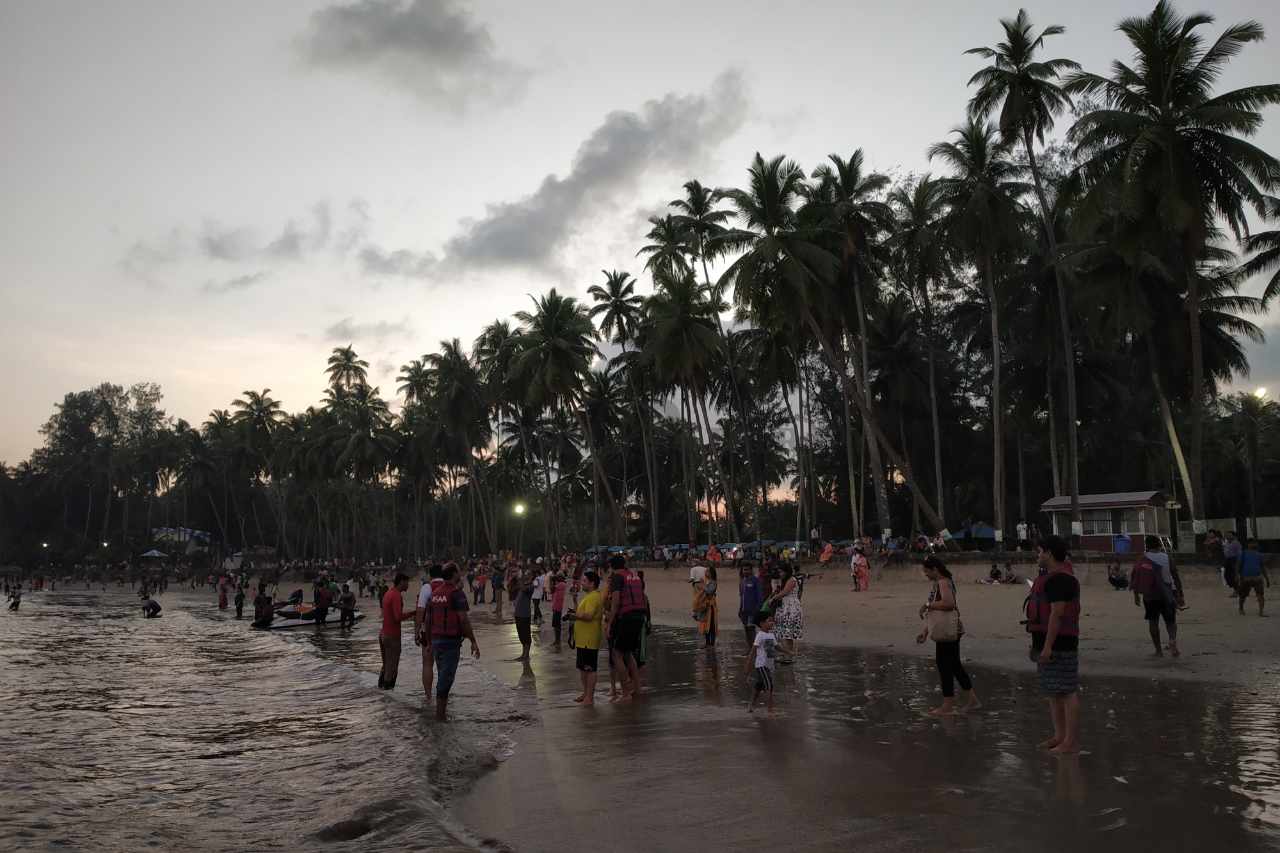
921, 256
1166, 149
848, 199
669, 248
1025, 91
1252, 418
346, 369
1264, 247
985, 219
783, 263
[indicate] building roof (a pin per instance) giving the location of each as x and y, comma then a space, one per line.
1107, 500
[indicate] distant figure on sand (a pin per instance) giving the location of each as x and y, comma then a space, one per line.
1053, 620
1154, 584
941, 617
1252, 573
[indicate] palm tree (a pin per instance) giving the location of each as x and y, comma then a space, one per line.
1265, 249
464, 411
1253, 418
848, 198
415, 381
920, 254
1025, 90
346, 369
985, 219
669, 250
781, 263
1168, 151
620, 309
555, 354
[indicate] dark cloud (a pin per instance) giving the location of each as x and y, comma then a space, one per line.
402, 263
226, 244
144, 259
674, 132
348, 330
434, 48
240, 282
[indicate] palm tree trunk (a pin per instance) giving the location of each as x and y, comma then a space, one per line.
1166, 415
860, 366
1064, 320
854, 391
1195, 401
726, 480
997, 433
852, 472
1053, 429
933, 415
689, 505
1022, 481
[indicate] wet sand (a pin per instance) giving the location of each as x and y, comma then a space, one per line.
850, 760
1217, 643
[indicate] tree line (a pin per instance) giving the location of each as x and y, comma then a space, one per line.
1041, 314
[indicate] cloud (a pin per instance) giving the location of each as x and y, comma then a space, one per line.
348, 330
226, 244
433, 48
144, 259
240, 282
671, 133
402, 263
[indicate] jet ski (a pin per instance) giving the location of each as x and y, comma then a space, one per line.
295, 613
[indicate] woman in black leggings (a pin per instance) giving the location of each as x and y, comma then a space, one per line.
942, 599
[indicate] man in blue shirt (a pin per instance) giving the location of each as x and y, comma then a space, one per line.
750, 598
1252, 572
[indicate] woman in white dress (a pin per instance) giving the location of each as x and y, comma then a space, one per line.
789, 615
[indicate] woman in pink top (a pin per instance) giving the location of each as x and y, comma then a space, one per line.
558, 587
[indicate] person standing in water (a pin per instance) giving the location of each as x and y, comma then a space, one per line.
393, 616
435, 579
750, 597
624, 623
347, 607
447, 623
263, 607
946, 629
150, 607
239, 601
763, 652
1053, 620
588, 633
522, 609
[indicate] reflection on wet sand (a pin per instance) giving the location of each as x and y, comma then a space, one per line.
850, 758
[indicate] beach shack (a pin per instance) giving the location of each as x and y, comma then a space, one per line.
1113, 522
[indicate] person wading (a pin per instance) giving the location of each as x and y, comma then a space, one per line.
447, 623
624, 623
942, 622
393, 616
1053, 620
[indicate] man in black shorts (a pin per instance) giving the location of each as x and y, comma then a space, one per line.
625, 622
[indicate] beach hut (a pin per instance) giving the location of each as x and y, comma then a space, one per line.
1114, 522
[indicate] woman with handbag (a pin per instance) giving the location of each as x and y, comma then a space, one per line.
942, 622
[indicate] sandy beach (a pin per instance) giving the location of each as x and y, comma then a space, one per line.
1217, 643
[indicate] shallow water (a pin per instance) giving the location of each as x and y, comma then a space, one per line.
850, 759
193, 731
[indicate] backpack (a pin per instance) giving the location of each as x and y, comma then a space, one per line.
1145, 578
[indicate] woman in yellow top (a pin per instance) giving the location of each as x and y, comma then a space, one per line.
588, 631
705, 608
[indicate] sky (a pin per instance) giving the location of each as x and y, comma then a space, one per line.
212, 196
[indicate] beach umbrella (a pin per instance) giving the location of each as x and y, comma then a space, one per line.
154, 554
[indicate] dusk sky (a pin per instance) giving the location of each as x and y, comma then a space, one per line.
213, 195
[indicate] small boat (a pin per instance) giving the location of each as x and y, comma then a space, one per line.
304, 617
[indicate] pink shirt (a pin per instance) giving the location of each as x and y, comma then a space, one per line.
557, 597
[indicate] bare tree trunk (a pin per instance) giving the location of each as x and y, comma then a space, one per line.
997, 413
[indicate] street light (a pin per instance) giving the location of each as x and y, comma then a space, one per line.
44, 544
104, 544
1261, 393
518, 509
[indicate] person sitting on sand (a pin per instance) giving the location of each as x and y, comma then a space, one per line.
1116, 577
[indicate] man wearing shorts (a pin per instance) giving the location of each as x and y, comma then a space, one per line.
588, 630
1053, 620
625, 623
1252, 573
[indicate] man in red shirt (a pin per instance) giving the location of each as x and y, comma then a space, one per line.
389, 639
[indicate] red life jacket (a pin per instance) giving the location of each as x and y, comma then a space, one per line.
631, 599
1145, 577
446, 620
1038, 609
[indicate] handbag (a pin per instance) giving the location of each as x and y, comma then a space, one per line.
944, 625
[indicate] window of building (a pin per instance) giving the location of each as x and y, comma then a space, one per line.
1096, 522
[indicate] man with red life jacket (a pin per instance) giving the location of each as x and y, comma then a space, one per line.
1155, 584
1053, 620
435, 578
625, 622
445, 626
